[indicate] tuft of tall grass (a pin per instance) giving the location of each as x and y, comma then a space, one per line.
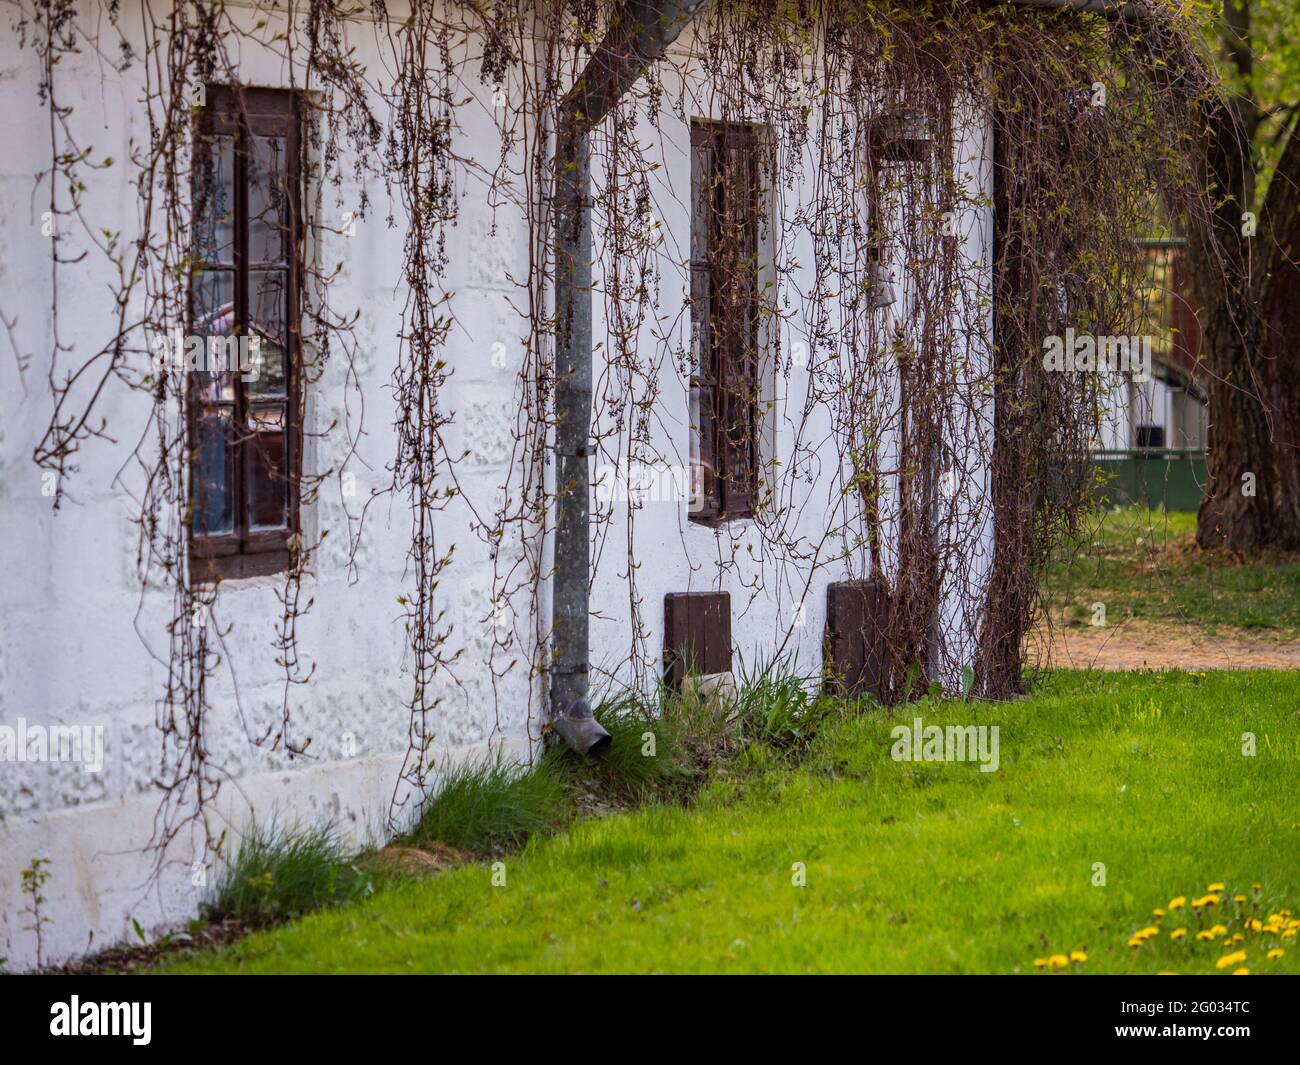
492, 805
780, 707
661, 750
276, 874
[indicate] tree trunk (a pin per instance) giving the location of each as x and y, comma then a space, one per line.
1280, 307
1239, 510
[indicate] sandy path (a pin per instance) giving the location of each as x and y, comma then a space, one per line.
1135, 644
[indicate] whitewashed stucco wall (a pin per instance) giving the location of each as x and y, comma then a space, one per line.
81, 644
778, 597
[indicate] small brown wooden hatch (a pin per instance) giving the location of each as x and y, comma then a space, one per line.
697, 635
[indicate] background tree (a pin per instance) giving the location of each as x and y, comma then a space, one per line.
1246, 277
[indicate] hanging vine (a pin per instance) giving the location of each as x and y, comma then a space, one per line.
906, 439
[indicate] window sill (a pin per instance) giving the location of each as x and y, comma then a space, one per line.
207, 569
716, 521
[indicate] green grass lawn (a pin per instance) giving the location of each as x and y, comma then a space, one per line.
910, 867
1142, 563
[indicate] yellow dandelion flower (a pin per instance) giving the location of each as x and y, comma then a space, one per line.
1167, 972
1238, 898
1135, 942
1255, 924
1040, 963
1178, 903
1256, 887
1058, 961
1276, 952
1243, 971
1080, 956
1218, 930
1198, 903
1158, 912
1215, 887
1237, 938
1235, 958
1178, 933
1289, 933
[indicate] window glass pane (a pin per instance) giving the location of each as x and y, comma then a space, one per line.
212, 490
214, 209
267, 310
267, 481
213, 326
701, 358
268, 201
701, 198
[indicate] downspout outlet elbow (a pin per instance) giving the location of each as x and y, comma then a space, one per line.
579, 728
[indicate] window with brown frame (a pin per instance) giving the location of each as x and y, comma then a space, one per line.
244, 423
725, 209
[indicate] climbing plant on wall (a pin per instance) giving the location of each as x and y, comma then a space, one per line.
878, 124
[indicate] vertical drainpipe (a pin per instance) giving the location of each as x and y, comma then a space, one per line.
571, 713
639, 35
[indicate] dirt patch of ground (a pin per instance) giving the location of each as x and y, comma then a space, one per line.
1138, 644
396, 860
125, 957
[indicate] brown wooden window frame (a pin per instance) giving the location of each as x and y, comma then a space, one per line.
726, 209
246, 551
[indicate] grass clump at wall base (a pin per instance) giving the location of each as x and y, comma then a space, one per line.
277, 874
494, 805
779, 708
666, 749
652, 757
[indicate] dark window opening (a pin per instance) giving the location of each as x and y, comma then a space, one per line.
1150, 436
244, 422
725, 210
